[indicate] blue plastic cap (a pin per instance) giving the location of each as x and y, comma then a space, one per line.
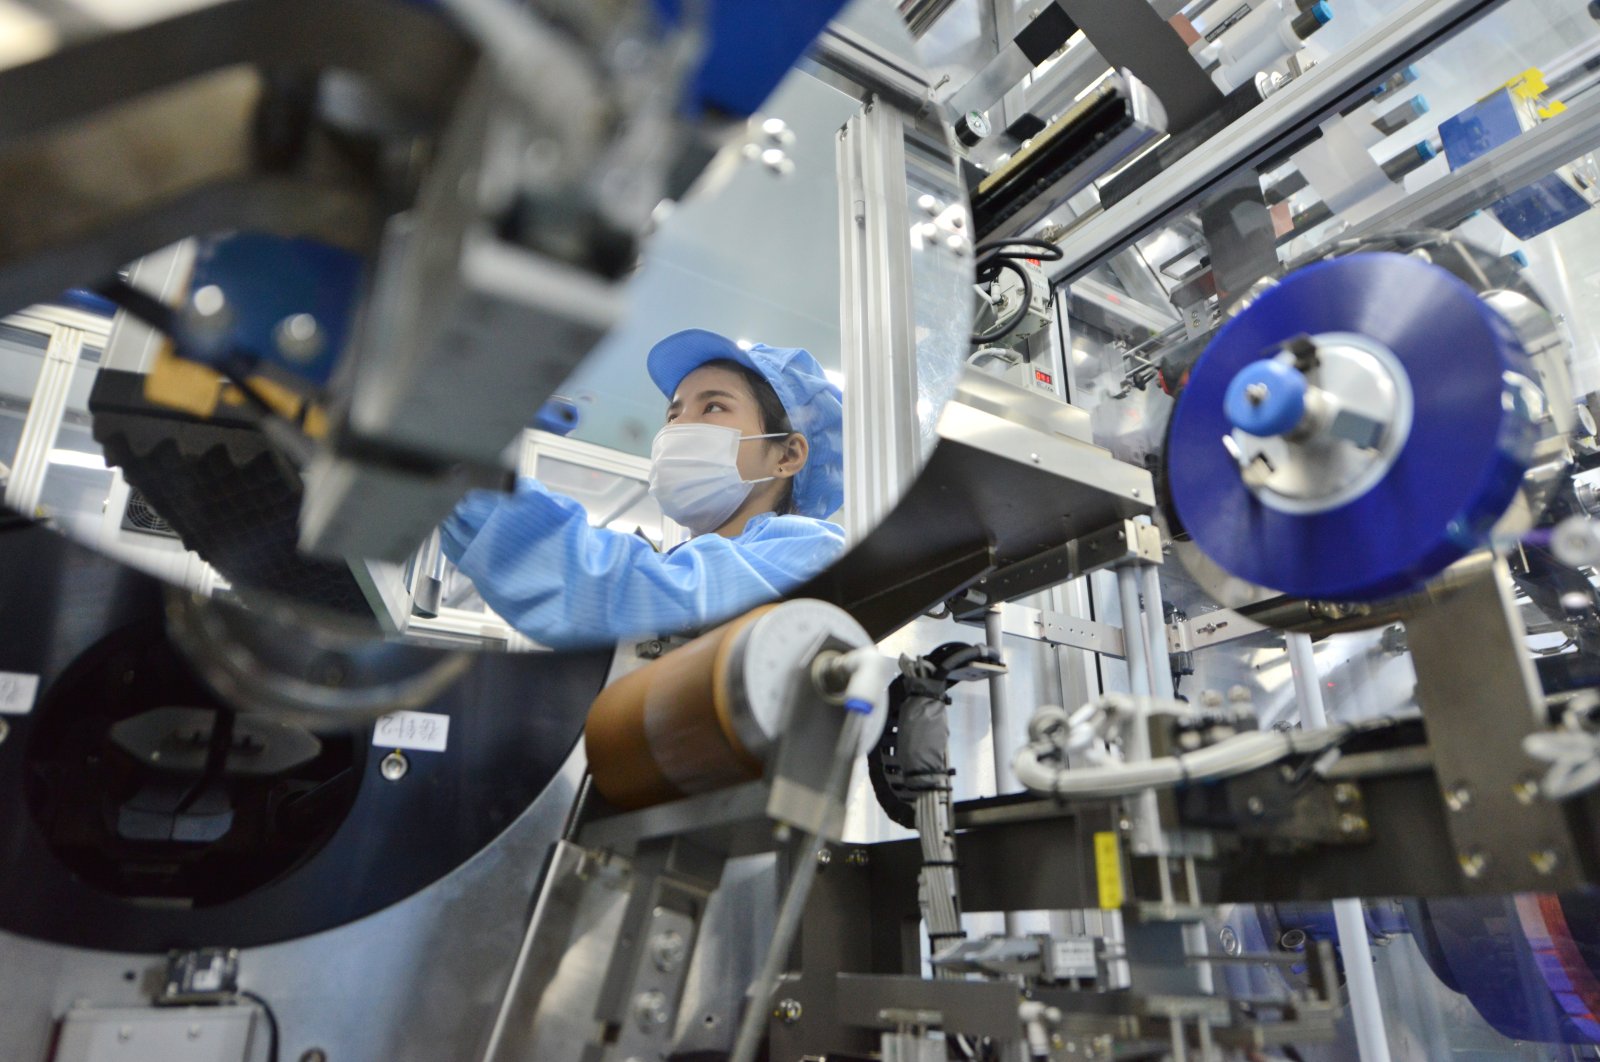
1322, 12
1519, 257
1266, 398
1426, 150
1419, 104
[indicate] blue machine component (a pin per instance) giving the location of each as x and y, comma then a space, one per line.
1266, 398
268, 279
751, 45
1484, 126
558, 416
1470, 441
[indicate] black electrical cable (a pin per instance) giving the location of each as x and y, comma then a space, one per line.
272, 1022
996, 255
1001, 331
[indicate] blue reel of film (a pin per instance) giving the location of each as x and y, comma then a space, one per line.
1409, 440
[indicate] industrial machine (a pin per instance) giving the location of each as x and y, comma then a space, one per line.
1212, 672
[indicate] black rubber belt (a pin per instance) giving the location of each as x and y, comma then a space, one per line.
1133, 35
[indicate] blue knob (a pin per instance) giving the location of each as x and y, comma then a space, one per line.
1266, 398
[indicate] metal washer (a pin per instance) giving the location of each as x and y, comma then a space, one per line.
1469, 446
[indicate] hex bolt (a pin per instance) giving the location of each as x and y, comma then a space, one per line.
788, 1011
394, 766
1544, 861
298, 337
1458, 797
667, 950
650, 1010
824, 856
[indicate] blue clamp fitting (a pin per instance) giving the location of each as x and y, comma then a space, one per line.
1266, 398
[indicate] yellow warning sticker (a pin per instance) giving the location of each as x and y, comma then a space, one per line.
1108, 870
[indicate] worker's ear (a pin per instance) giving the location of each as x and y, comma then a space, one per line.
795, 452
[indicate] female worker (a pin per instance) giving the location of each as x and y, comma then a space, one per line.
749, 462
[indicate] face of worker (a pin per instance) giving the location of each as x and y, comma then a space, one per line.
714, 395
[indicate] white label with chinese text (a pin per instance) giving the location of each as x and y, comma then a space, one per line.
421, 731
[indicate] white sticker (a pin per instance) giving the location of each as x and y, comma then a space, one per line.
422, 731
17, 692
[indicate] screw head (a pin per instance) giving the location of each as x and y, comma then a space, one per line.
1344, 794
1256, 806
788, 1011
857, 857
1526, 791
1257, 393
394, 766
1352, 824
650, 1010
824, 856
298, 337
1458, 797
668, 949
1292, 940
1473, 862
1544, 861
1230, 941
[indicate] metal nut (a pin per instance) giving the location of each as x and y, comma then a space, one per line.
650, 1011
1544, 861
394, 766
668, 949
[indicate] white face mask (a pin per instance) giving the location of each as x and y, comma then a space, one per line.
694, 474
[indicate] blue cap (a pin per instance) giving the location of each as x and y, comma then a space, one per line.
814, 403
1419, 105
1266, 398
1322, 12
1426, 151
1519, 257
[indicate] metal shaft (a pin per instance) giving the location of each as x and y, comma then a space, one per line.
1366, 1010
999, 707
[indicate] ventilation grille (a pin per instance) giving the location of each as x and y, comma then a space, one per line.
141, 516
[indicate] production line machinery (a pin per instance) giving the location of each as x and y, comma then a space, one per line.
243, 830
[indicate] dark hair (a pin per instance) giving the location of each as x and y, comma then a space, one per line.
774, 418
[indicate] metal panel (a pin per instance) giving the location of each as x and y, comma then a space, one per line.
1480, 696
157, 1034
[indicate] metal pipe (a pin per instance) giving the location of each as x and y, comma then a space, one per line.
1000, 736
1133, 637
1156, 633
999, 707
1366, 1010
